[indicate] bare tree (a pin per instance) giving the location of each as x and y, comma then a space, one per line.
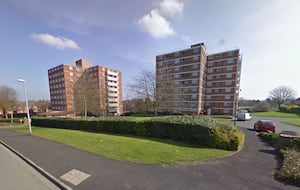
154, 91
8, 97
281, 95
42, 105
87, 97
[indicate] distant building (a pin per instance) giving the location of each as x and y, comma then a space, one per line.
297, 101
199, 83
106, 83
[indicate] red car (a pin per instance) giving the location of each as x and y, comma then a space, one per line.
264, 125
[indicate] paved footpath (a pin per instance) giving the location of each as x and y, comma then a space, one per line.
16, 174
251, 168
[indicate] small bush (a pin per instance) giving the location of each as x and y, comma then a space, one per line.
269, 137
290, 170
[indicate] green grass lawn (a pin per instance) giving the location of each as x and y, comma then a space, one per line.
295, 122
276, 114
142, 150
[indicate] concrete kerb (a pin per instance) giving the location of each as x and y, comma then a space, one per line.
44, 173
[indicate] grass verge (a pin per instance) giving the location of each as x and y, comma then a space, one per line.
295, 122
142, 150
276, 114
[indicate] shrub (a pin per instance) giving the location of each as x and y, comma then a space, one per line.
263, 107
202, 131
269, 137
295, 110
290, 170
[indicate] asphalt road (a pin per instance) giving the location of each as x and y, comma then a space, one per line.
278, 122
16, 174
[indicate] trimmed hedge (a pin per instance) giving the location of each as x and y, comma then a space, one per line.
202, 131
290, 110
4, 120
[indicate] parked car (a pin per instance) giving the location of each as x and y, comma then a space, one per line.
243, 116
265, 125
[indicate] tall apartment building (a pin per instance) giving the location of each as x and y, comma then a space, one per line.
95, 88
199, 83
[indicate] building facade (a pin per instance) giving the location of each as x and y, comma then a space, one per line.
95, 89
198, 83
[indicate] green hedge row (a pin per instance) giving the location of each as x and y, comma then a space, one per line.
4, 120
190, 129
290, 110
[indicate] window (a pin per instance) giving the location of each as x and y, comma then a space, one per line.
219, 63
71, 73
193, 104
209, 70
160, 57
186, 82
230, 61
226, 110
227, 97
194, 81
226, 104
228, 83
218, 70
177, 61
176, 68
208, 97
185, 89
217, 90
208, 91
194, 96
176, 76
231, 53
160, 64
210, 64
209, 84
195, 74
229, 75
185, 68
217, 84
195, 66
195, 89
227, 90
170, 62
218, 77
176, 82
209, 77
230, 68
196, 50
186, 75
196, 58
177, 54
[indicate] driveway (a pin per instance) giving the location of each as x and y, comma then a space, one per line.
251, 168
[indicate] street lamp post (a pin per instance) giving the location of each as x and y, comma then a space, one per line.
26, 101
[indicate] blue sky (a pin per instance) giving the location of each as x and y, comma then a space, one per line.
37, 35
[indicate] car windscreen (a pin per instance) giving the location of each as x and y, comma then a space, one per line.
267, 122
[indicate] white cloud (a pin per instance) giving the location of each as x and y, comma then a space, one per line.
58, 42
156, 25
171, 7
